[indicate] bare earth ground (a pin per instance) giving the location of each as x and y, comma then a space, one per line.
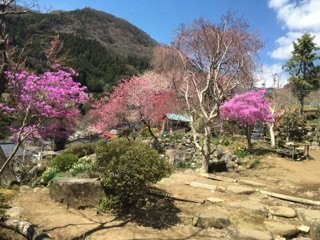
163, 221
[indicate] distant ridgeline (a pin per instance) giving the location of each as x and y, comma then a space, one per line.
101, 47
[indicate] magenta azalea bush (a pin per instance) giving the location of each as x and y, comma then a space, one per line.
43, 103
247, 109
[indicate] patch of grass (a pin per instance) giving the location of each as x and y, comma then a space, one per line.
183, 165
255, 163
5, 196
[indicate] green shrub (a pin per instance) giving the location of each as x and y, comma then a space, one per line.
49, 175
63, 162
109, 203
220, 141
81, 150
254, 164
144, 132
126, 169
293, 125
240, 151
175, 137
81, 166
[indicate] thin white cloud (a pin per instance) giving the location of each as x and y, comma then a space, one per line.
271, 76
298, 17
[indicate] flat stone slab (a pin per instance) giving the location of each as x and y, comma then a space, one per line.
280, 211
77, 192
309, 216
240, 189
216, 220
281, 228
251, 234
215, 200
304, 229
252, 183
249, 205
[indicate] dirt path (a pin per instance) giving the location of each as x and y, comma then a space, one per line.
166, 219
63, 223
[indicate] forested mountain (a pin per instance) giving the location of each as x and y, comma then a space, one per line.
100, 46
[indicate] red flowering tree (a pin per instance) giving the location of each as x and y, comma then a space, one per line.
247, 109
144, 99
42, 105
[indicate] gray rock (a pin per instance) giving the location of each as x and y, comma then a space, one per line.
173, 156
240, 189
251, 234
228, 157
281, 228
231, 165
249, 205
215, 220
77, 193
24, 188
219, 153
280, 211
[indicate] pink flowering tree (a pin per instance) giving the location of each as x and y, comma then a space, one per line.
42, 105
247, 109
144, 99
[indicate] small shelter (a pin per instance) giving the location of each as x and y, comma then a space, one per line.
175, 123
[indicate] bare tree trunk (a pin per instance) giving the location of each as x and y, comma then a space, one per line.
301, 105
272, 136
7, 176
156, 143
248, 135
206, 150
10, 157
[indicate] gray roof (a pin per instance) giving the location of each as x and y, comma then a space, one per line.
9, 147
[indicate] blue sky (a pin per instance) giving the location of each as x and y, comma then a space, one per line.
279, 22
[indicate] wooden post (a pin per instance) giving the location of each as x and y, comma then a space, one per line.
293, 151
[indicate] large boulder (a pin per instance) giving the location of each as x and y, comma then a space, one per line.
77, 193
173, 156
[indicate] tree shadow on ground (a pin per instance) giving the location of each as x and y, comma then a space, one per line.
101, 226
156, 211
199, 234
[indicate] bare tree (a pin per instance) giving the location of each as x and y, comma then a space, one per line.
207, 63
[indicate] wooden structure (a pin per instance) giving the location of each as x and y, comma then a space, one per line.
296, 151
175, 123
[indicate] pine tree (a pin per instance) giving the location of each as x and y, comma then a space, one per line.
304, 73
